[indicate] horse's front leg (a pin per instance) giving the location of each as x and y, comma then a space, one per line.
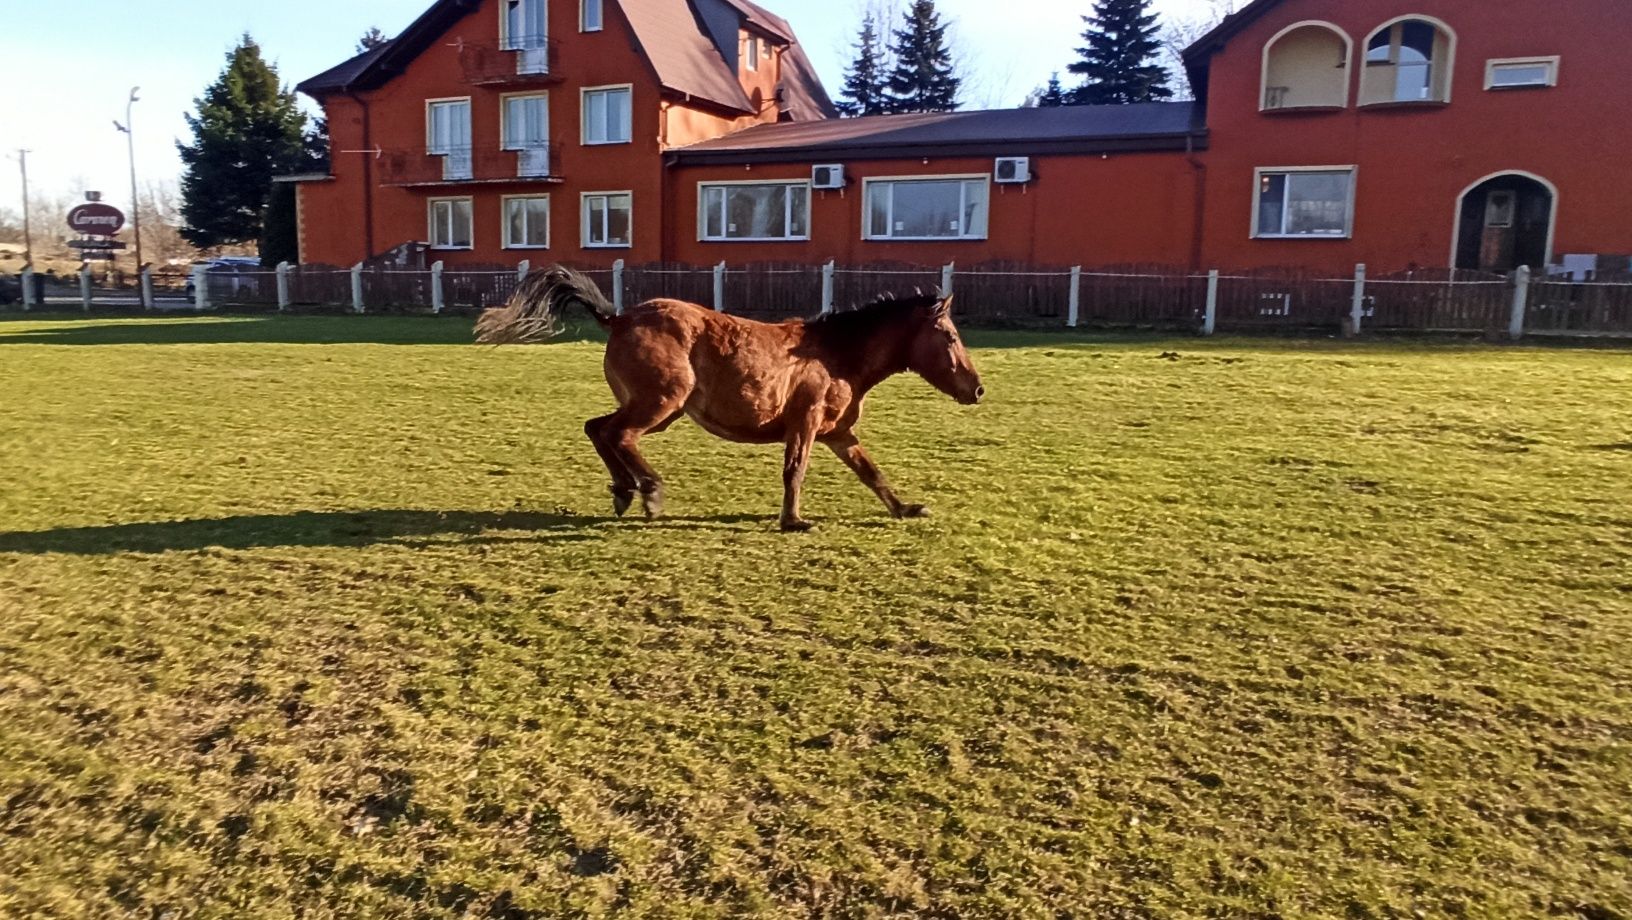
849, 449
795, 461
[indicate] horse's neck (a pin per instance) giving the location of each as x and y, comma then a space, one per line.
881, 357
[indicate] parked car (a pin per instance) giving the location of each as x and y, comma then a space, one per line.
224, 265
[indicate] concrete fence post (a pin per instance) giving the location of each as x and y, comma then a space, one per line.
1073, 310
946, 279
1521, 303
719, 286
146, 282
1209, 320
283, 286
827, 287
85, 286
357, 288
28, 288
522, 268
436, 286
1357, 309
201, 289
617, 287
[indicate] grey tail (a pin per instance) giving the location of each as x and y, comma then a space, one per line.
533, 312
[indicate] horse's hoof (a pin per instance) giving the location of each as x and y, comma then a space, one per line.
621, 501
796, 526
912, 511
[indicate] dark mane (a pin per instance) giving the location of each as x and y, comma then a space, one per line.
861, 322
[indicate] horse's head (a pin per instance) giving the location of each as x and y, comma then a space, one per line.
936, 353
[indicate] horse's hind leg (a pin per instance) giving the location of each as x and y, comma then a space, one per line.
623, 479
622, 433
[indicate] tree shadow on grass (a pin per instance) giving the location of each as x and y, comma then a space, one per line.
329, 528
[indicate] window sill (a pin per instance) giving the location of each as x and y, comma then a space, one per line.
452, 248
924, 239
608, 245
1312, 237
1304, 110
753, 239
545, 246
590, 143
1403, 106
1519, 87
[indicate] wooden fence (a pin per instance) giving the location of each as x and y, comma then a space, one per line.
996, 294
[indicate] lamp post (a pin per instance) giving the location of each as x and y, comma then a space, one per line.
28, 233
135, 203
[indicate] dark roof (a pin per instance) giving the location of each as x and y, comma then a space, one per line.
999, 132
684, 57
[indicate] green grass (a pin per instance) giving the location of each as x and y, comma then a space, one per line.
324, 617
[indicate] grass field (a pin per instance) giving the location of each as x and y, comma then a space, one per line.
325, 618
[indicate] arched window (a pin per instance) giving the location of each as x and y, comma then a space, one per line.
1408, 60
1306, 66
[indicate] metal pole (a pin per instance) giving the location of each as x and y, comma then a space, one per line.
617, 287
135, 203
283, 286
28, 234
1357, 310
357, 288
85, 286
146, 275
1521, 302
1074, 307
436, 286
28, 287
1210, 322
719, 287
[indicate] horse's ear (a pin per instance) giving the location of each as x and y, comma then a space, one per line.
943, 306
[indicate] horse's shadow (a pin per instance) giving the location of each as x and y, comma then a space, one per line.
399, 527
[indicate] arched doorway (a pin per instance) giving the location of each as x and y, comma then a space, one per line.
1505, 221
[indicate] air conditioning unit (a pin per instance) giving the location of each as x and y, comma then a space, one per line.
1013, 170
829, 175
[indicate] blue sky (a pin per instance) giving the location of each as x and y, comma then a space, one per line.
65, 76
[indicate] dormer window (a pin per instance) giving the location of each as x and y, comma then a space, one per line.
750, 57
1408, 61
1307, 67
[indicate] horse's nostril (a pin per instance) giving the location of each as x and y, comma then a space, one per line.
980, 392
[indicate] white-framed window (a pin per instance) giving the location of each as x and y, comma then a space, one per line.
450, 223
607, 114
927, 208
524, 126
608, 220
526, 221
522, 24
750, 55
1520, 73
589, 15
753, 211
447, 125
1410, 59
1304, 203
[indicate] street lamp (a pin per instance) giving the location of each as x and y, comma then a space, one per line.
135, 203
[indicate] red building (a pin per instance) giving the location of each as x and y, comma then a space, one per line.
1325, 133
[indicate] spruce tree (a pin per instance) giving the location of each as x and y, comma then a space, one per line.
924, 78
1119, 64
246, 130
1052, 95
866, 84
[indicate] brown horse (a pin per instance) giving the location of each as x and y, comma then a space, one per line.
799, 383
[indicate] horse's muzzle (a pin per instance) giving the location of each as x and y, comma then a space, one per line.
973, 397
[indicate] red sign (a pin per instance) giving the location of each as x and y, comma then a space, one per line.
96, 219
